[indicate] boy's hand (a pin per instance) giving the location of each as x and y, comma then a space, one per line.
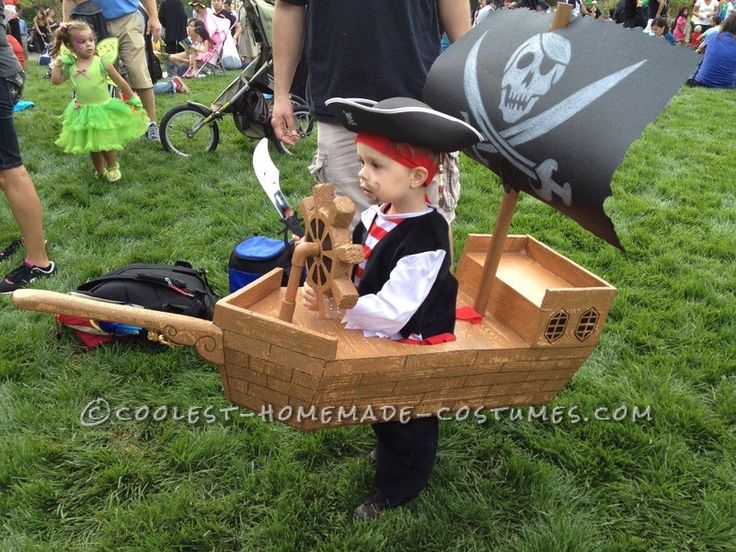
309, 298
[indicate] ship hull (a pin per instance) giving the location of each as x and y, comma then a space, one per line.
543, 319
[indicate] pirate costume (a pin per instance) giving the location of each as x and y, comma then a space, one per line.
406, 289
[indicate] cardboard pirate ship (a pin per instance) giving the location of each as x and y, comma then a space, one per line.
542, 314
542, 320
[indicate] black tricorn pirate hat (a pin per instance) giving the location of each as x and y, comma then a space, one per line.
405, 120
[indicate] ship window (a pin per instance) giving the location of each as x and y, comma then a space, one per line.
556, 326
587, 323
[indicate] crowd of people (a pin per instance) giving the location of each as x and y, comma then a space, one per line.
706, 25
386, 51
212, 37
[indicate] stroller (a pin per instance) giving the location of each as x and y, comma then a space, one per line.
192, 127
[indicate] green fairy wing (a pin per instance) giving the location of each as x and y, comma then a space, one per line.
108, 50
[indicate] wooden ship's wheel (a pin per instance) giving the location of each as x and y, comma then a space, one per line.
326, 250
326, 222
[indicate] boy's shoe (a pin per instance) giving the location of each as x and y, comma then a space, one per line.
152, 132
113, 174
11, 249
24, 275
179, 86
372, 456
370, 510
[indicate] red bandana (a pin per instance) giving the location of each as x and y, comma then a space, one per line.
400, 154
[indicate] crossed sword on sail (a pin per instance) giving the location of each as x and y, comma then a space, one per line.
534, 127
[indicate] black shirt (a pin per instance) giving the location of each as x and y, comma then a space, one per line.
373, 49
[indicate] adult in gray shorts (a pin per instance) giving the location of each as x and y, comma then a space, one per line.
356, 49
14, 180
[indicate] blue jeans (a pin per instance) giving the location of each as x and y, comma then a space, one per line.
163, 87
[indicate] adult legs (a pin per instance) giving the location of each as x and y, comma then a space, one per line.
179, 58
336, 161
17, 186
148, 100
26, 208
129, 32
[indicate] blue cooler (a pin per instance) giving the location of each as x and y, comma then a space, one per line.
254, 257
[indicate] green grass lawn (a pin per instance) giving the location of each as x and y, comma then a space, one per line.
667, 483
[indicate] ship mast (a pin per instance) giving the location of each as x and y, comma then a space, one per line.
508, 204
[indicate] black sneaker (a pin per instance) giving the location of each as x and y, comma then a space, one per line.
370, 510
11, 249
24, 275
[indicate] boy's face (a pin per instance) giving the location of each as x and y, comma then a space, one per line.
382, 179
658, 31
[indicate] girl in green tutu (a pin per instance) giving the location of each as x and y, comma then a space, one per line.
94, 122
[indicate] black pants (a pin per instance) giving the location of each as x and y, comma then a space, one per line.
405, 455
173, 47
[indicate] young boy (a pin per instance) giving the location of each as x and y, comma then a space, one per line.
406, 289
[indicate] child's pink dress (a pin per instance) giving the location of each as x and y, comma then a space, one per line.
679, 31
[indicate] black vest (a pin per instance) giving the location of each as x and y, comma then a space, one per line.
414, 235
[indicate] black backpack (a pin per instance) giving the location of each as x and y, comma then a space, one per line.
179, 289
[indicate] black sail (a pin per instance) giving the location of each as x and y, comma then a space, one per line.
558, 110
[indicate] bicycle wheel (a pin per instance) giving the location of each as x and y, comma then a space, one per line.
176, 131
305, 124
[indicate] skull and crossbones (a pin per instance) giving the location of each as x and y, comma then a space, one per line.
530, 72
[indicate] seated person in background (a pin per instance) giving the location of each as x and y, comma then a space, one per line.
679, 28
593, 11
198, 52
224, 11
718, 68
727, 8
659, 28
172, 86
715, 29
407, 292
695, 36
709, 35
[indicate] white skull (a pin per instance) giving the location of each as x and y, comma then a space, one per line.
530, 72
